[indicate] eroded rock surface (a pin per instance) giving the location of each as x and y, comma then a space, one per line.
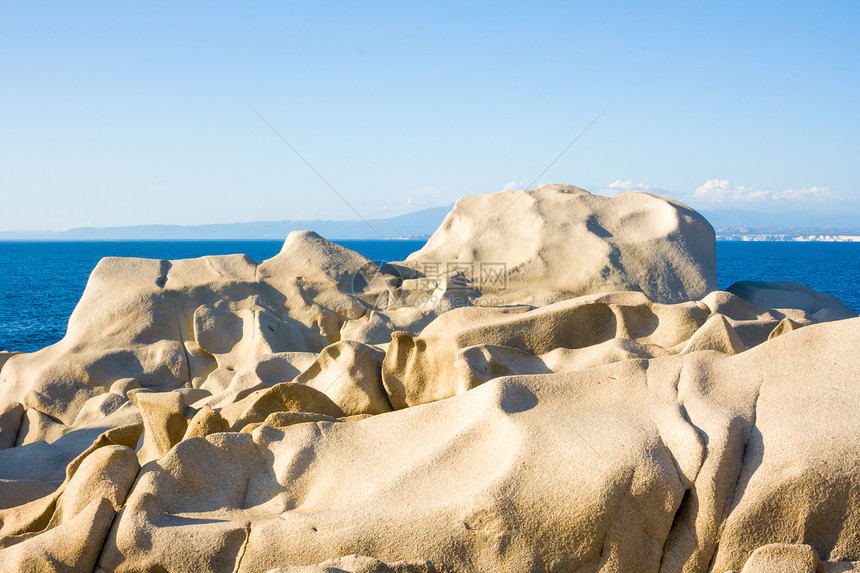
610, 411
560, 241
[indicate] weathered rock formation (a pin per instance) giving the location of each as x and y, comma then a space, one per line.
559, 241
599, 407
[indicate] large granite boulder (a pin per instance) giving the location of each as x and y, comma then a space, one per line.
559, 241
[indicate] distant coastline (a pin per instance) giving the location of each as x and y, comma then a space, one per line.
797, 235
411, 226
729, 225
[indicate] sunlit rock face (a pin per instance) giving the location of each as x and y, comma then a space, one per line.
556, 242
592, 404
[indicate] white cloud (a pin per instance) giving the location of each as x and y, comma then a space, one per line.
806, 193
620, 186
721, 191
511, 185
628, 185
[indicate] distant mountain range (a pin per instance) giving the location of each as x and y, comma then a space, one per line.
417, 225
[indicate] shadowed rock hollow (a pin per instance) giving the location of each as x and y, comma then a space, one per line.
594, 405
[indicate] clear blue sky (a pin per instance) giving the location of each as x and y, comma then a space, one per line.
134, 113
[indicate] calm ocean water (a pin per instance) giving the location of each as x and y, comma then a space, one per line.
41, 282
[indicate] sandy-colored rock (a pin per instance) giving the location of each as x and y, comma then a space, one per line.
785, 325
778, 557
162, 325
423, 368
284, 419
466, 347
470, 475
359, 564
10, 423
768, 436
257, 374
838, 567
204, 422
317, 412
752, 324
716, 334
105, 470
822, 307
285, 397
271, 369
164, 422
606, 456
42, 467
36, 426
6, 355
544, 245
98, 407
69, 548
801, 476
106, 473
377, 326
350, 373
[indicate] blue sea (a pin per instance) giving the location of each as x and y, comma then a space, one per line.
41, 282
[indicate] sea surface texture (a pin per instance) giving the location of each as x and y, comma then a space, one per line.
41, 282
